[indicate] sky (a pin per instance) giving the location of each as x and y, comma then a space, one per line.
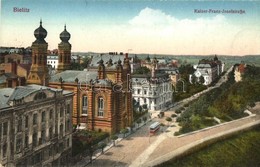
136, 26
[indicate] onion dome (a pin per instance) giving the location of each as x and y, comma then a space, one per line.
65, 35
119, 65
40, 33
101, 62
119, 62
215, 58
110, 62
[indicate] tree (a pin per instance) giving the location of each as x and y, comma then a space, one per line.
114, 138
101, 146
124, 131
142, 70
168, 119
202, 80
144, 119
138, 122
193, 79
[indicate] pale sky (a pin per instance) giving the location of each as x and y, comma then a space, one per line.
154, 27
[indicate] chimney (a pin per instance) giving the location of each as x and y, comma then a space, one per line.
14, 67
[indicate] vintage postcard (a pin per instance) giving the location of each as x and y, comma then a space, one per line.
129, 83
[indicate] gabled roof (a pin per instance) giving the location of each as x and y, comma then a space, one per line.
20, 92
69, 76
6, 76
5, 94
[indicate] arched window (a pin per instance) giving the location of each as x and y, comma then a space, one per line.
84, 105
40, 96
100, 107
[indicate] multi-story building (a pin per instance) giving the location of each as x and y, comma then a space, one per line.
35, 126
102, 100
152, 90
239, 71
208, 69
53, 61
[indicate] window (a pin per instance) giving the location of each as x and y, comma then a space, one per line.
144, 100
138, 91
4, 150
68, 108
50, 132
43, 116
5, 128
40, 96
35, 118
35, 139
84, 105
18, 145
100, 107
145, 92
51, 114
61, 111
68, 142
26, 141
61, 129
19, 126
67, 125
43, 136
26, 121
37, 158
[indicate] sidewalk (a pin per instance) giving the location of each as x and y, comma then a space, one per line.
86, 160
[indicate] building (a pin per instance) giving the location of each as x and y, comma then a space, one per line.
102, 99
13, 74
239, 71
14, 57
154, 90
52, 60
64, 51
210, 70
39, 73
35, 126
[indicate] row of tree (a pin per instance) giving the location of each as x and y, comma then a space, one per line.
226, 102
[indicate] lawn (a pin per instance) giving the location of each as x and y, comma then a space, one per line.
239, 150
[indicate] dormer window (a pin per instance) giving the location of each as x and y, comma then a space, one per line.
40, 96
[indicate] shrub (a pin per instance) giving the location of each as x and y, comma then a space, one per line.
173, 115
178, 111
177, 133
179, 119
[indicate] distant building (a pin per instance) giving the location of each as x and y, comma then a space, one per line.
14, 57
239, 71
35, 126
135, 63
210, 70
154, 90
173, 73
13, 74
53, 61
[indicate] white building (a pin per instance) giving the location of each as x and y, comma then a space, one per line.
210, 70
53, 61
239, 71
153, 90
